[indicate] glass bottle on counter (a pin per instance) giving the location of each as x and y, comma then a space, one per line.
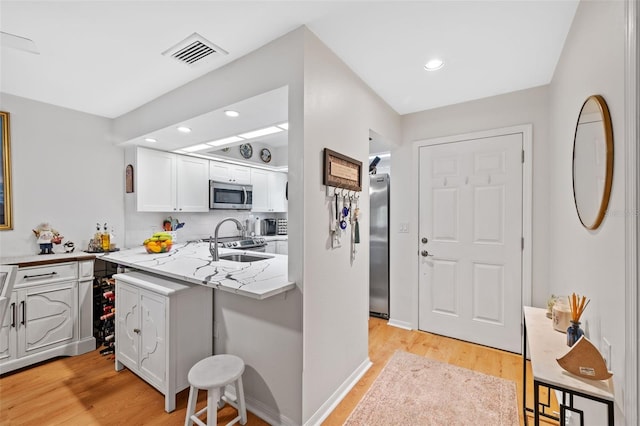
105, 238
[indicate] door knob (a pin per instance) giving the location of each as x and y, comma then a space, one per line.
424, 240
425, 253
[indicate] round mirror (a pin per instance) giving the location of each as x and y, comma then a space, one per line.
592, 161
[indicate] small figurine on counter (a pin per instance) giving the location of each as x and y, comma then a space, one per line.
47, 237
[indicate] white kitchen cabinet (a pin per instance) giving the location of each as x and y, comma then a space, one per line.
282, 247
270, 247
268, 191
168, 182
163, 328
226, 172
50, 314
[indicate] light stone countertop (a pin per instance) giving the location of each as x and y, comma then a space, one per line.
191, 262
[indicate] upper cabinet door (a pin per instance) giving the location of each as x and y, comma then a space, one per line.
260, 184
155, 180
192, 184
277, 187
225, 172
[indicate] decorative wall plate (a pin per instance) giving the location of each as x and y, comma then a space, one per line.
265, 155
246, 150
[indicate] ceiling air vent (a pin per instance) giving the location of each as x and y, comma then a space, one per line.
193, 50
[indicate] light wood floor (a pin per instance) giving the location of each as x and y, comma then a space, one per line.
85, 390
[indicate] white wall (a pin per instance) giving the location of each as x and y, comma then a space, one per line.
339, 111
591, 262
65, 170
526, 106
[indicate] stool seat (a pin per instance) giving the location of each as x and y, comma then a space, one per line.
216, 371
214, 374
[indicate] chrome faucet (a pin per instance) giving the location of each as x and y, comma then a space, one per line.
213, 249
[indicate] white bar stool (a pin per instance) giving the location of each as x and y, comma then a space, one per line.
213, 374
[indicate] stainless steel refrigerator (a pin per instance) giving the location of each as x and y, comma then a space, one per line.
379, 245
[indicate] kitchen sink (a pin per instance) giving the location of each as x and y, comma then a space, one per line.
243, 257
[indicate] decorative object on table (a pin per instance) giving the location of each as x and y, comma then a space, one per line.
128, 179
577, 305
342, 171
246, 150
265, 155
6, 221
561, 314
47, 237
69, 247
550, 302
584, 360
160, 242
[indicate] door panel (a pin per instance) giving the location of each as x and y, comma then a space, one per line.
471, 265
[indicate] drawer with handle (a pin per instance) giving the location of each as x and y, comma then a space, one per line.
46, 274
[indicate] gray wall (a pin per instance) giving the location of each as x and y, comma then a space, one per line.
591, 262
522, 107
65, 170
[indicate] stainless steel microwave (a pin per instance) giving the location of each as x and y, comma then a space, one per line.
231, 196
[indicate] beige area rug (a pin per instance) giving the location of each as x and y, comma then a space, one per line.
413, 390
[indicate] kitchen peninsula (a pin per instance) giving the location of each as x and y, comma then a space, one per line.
256, 315
191, 262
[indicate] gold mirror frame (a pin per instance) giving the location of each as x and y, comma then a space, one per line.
607, 133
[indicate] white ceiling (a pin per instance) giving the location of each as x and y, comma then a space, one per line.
104, 57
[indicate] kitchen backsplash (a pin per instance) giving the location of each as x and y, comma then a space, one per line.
196, 225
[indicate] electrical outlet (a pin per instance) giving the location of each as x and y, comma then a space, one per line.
606, 352
404, 228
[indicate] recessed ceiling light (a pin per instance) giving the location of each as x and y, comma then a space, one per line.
152, 140
184, 129
224, 141
231, 113
284, 126
198, 147
434, 64
260, 132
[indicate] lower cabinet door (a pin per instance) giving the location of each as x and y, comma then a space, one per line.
46, 317
152, 337
127, 323
8, 331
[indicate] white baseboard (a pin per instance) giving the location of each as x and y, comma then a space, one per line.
325, 409
400, 324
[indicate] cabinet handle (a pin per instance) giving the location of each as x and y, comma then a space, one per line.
136, 330
26, 277
24, 312
14, 318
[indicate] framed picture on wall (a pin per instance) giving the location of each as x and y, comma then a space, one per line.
5, 174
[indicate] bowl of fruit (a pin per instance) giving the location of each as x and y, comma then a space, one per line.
160, 242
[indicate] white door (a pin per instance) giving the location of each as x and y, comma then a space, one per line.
470, 234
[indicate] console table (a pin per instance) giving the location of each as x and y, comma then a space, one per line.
546, 345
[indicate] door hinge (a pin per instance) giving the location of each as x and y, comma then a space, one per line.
523, 155
522, 243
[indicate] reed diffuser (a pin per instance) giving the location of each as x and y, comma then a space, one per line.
577, 305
